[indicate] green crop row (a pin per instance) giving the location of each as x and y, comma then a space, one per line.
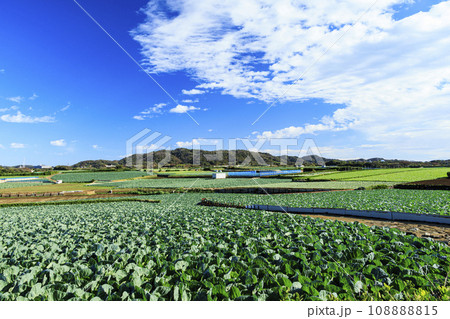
22, 184
91, 176
177, 251
397, 200
80, 201
237, 182
388, 175
195, 183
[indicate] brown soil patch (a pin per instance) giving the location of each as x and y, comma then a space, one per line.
439, 181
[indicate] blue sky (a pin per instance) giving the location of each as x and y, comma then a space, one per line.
374, 77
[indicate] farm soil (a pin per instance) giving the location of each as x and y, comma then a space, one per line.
433, 182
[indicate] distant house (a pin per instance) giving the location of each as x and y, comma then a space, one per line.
219, 175
110, 166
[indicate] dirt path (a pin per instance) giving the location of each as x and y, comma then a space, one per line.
435, 231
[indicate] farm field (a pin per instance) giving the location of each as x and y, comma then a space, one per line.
330, 184
11, 185
193, 183
237, 182
178, 251
184, 173
387, 175
398, 200
90, 176
47, 187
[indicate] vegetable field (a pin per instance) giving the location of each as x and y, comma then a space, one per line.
196, 182
22, 184
177, 251
90, 176
238, 182
387, 175
397, 200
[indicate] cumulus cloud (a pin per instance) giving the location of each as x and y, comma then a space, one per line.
183, 109
392, 76
60, 143
199, 142
17, 145
22, 118
95, 147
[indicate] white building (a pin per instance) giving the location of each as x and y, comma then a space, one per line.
219, 175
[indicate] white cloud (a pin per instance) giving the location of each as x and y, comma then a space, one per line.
210, 130
17, 145
12, 108
60, 143
65, 108
15, 99
184, 144
95, 147
156, 109
2, 147
193, 92
2, 71
33, 97
200, 142
22, 118
190, 101
391, 76
183, 109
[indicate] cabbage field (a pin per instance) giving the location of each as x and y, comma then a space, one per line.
23, 184
236, 182
178, 251
195, 182
103, 176
394, 200
387, 175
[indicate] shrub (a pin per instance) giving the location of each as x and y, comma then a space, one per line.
381, 186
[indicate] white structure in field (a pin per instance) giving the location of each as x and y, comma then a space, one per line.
219, 175
59, 181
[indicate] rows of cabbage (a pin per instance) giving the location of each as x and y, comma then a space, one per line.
330, 184
238, 182
102, 176
196, 183
12, 185
394, 200
387, 175
138, 251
